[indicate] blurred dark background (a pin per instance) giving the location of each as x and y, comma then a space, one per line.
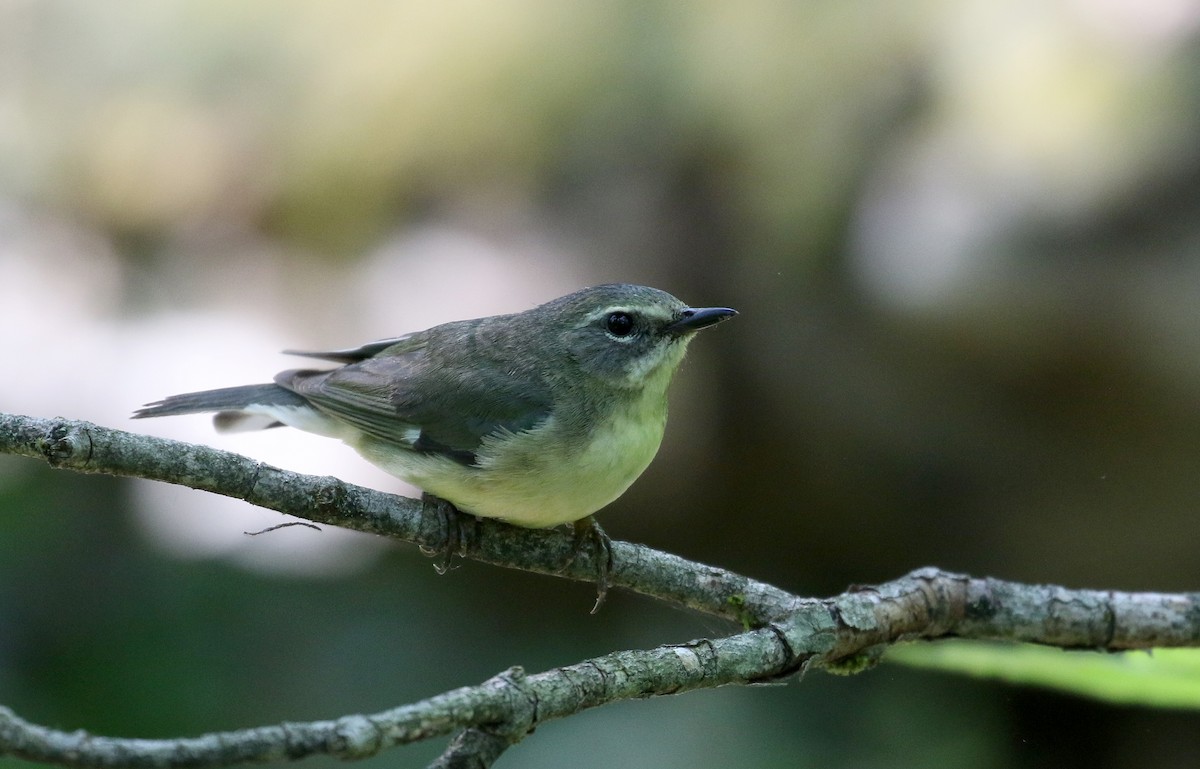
963, 237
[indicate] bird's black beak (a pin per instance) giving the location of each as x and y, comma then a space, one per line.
698, 318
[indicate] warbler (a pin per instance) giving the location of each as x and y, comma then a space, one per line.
537, 418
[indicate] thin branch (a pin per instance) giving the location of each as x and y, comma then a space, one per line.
472, 749
89, 448
790, 634
837, 631
507, 704
349, 737
978, 608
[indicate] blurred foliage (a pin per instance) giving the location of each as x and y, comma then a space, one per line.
1167, 678
963, 237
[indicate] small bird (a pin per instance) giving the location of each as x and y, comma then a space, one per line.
537, 418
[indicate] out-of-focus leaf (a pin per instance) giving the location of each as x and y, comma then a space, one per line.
1165, 678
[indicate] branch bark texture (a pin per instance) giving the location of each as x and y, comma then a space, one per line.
783, 634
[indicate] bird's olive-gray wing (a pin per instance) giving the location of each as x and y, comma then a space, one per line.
414, 401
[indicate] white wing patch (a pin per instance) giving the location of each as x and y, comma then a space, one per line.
261, 416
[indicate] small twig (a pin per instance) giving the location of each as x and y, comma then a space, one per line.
472, 749
283, 525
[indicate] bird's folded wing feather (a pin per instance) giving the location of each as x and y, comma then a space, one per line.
410, 399
355, 354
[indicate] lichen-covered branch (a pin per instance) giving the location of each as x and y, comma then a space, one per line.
783, 633
507, 706
88, 448
472, 749
839, 631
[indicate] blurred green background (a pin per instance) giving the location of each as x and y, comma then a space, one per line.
964, 238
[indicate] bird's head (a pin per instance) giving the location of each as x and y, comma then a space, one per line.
625, 335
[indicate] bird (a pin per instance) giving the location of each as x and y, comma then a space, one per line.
536, 418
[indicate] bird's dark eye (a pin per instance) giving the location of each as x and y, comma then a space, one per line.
619, 324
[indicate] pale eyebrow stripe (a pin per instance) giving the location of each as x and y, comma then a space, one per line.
625, 308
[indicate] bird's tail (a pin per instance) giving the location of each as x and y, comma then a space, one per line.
248, 407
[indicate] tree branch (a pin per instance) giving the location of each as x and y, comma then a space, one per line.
784, 634
89, 448
472, 749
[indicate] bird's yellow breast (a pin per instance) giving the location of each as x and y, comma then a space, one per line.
535, 478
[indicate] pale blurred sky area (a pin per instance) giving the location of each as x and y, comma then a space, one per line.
963, 236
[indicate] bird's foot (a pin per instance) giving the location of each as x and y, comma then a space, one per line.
458, 537
588, 533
